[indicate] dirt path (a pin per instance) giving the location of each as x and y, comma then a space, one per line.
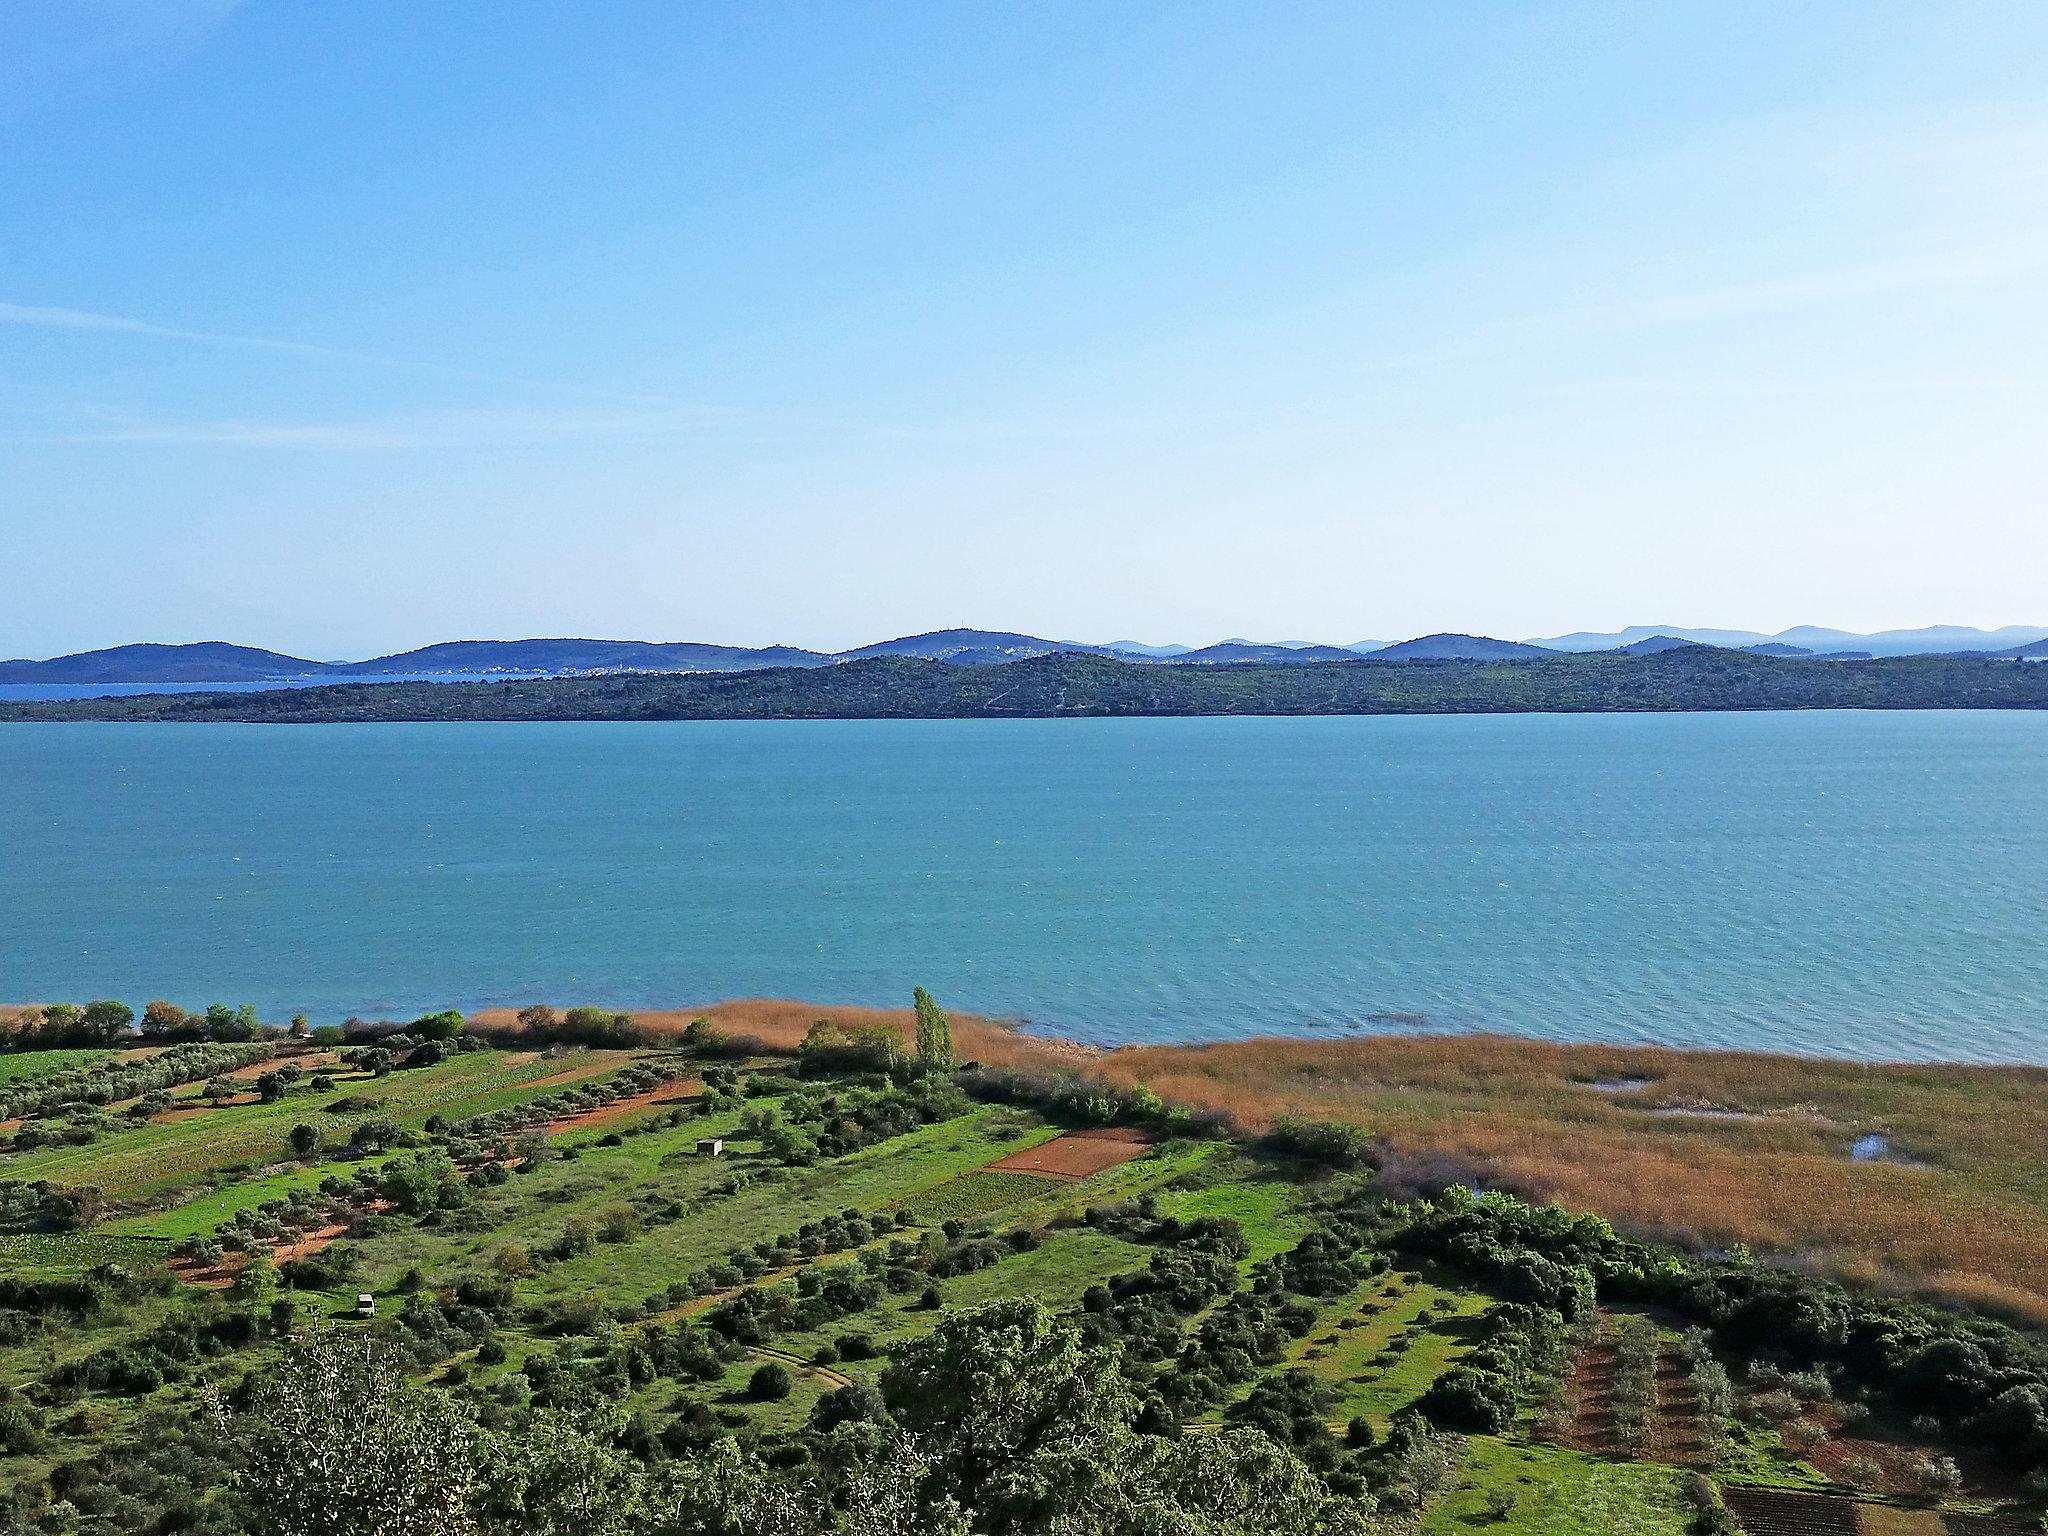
781, 1357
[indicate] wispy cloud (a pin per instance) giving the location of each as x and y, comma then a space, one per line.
425, 430
49, 53
48, 317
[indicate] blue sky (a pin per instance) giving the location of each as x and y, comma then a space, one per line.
344, 328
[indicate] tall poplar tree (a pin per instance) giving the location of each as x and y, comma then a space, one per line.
934, 1033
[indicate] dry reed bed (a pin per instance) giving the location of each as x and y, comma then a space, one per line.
1973, 1226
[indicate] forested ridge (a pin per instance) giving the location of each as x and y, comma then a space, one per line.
1695, 678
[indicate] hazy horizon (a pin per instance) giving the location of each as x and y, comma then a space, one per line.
345, 331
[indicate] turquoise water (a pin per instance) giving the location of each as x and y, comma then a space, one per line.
1862, 884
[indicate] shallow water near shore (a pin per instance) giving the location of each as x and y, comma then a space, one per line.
1869, 885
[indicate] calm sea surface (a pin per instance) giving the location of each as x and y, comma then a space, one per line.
1862, 884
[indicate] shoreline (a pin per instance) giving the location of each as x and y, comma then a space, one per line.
1923, 1179
781, 1015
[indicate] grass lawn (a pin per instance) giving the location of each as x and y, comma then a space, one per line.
1263, 1206
48, 1255
1559, 1493
18, 1067
1385, 1307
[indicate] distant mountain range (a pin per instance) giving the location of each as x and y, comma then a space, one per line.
216, 662
1806, 640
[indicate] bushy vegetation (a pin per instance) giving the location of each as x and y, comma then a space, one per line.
585, 1320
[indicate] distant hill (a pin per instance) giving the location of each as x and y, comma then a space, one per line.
1776, 648
583, 656
1940, 639
1140, 649
1057, 685
1654, 644
1458, 648
970, 647
217, 662
1936, 639
209, 661
1636, 634
2038, 648
1240, 652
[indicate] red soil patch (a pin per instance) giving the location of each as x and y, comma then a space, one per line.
1590, 1394
1777, 1512
1675, 1428
1075, 1155
618, 1109
1896, 1458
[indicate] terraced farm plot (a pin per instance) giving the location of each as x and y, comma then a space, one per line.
881, 1178
167, 1153
1773, 1512
208, 1209
1367, 1366
1591, 1398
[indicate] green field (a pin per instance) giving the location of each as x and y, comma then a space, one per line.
27, 1066
574, 1258
176, 1151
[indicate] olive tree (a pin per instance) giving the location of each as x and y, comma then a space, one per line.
342, 1444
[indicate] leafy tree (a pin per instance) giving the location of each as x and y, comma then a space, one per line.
107, 1019
1016, 1410
161, 1020
62, 1021
445, 1025
934, 1033
225, 1023
414, 1183
306, 1141
341, 1444
565, 1476
256, 1281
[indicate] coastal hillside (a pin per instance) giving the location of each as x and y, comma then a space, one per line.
755, 1269
1689, 678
